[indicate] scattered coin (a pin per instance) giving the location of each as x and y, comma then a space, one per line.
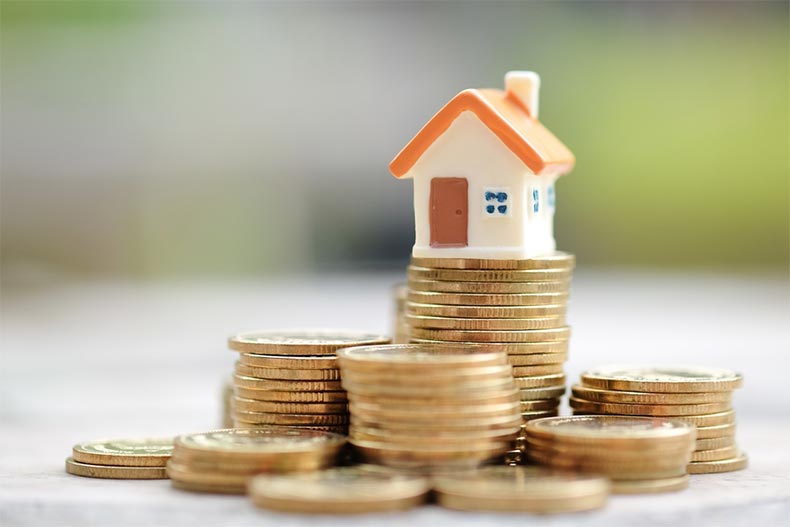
146, 452
114, 472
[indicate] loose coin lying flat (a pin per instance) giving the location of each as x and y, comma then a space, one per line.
146, 452
521, 489
662, 379
738, 462
301, 341
558, 260
114, 472
342, 490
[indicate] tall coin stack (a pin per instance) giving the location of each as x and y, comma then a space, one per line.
698, 396
430, 407
639, 454
291, 378
515, 306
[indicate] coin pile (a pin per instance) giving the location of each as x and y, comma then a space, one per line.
121, 458
521, 489
639, 454
291, 378
400, 328
516, 306
425, 406
699, 396
341, 490
223, 461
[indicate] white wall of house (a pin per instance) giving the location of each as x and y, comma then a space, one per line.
468, 149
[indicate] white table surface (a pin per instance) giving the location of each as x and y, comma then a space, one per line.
112, 359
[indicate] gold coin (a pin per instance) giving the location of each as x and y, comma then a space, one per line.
667, 410
557, 260
438, 310
604, 451
179, 472
537, 359
341, 490
717, 454
538, 414
530, 335
613, 430
439, 286
535, 394
644, 470
485, 324
432, 413
512, 348
421, 358
521, 489
301, 341
650, 486
488, 275
254, 443
541, 381
427, 438
209, 488
335, 429
305, 362
704, 421
534, 406
291, 397
662, 379
251, 405
433, 377
738, 462
470, 454
709, 432
265, 418
509, 395
113, 472
285, 374
537, 370
505, 422
145, 452
714, 442
616, 396
280, 385
469, 388
481, 299
208, 464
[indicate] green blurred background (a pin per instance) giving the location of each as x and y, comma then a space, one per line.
162, 139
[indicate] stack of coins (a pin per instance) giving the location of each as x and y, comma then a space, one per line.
121, 458
699, 396
291, 378
516, 306
342, 490
400, 328
423, 406
223, 461
639, 454
521, 489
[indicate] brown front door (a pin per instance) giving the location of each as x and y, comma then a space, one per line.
449, 212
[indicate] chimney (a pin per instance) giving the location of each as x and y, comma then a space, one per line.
522, 87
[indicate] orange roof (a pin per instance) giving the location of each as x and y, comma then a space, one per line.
506, 117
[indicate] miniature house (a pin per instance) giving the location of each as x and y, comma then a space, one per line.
484, 170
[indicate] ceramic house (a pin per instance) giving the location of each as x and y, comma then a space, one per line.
484, 169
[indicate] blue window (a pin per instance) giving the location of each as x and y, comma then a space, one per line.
496, 202
550, 196
535, 200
